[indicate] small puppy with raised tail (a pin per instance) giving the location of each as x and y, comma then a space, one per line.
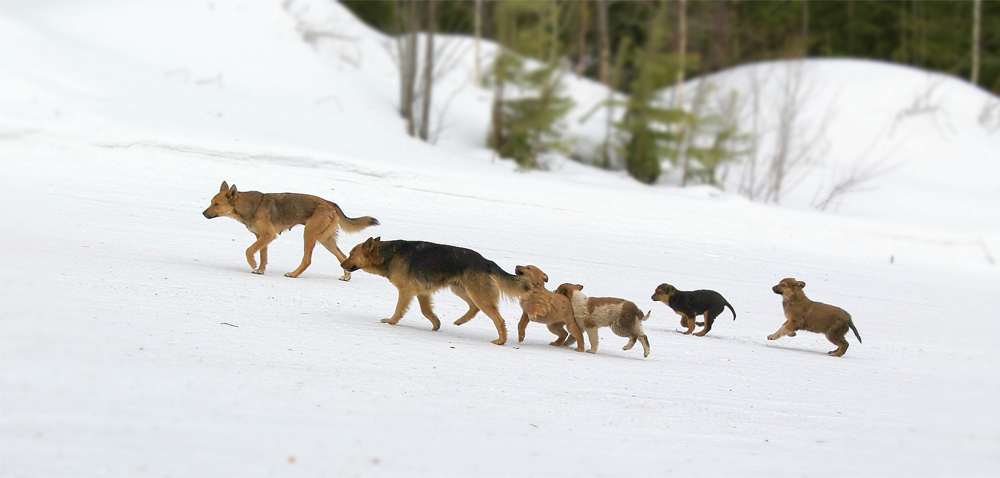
690, 304
804, 314
591, 313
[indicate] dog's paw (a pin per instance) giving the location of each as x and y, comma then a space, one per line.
345, 277
291, 274
499, 341
791, 334
257, 271
772, 337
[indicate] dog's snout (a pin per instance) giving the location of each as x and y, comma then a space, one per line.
207, 215
776, 290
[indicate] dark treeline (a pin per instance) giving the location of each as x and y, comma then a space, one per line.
935, 35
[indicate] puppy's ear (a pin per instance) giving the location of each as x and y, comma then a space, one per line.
224, 187
802, 285
545, 277
580, 287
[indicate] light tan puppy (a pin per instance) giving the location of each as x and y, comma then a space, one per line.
592, 313
546, 307
804, 314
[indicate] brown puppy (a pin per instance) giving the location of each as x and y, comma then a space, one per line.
690, 304
804, 314
546, 307
592, 313
419, 268
267, 215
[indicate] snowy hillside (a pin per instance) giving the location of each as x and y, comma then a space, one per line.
134, 340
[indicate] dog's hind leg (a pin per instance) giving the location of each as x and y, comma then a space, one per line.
838, 339
710, 316
314, 227
559, 332
405, 297
485, 295
330, 243
473, 309
425, 307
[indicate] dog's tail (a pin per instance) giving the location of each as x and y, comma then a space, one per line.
510, 285
646, 317
731, 309
851, 324
353, 224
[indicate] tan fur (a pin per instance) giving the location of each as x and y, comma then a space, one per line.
546, 307
481, 291
622, 316
268, 214
804, 314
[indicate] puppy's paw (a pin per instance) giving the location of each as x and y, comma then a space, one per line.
258, 271
772, 337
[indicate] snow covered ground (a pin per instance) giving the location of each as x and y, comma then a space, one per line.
134, 340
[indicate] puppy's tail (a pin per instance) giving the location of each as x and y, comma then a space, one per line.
352, 224
731, 310
851, 324
646, 317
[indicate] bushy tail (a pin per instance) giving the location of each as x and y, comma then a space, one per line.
510, 285
855, 332
731, 310
351, 224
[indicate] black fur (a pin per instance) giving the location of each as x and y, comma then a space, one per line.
438, 264
697, 302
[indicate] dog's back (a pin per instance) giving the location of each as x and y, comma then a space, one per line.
440, 265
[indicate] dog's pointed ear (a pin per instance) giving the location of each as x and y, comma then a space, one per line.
802, 285
580, 287
368, 243
224, 187
232, 192
545, 277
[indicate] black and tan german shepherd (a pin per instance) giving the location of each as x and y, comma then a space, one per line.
420, 268
268, 214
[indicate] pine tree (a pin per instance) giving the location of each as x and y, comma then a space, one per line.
528, 105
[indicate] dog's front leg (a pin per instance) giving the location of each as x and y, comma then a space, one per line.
783, 331
259, 245
426, 309
522, 325
401, 306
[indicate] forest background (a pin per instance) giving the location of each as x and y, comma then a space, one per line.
638, 48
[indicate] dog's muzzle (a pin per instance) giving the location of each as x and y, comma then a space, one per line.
207, 215
776, 290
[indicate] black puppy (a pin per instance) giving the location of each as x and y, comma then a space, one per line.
690, 304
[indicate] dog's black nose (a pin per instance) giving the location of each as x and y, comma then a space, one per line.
775, 289
206, 214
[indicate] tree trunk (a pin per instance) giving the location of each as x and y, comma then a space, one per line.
604, 44
477, 76
425, 112
977, 7
581, 43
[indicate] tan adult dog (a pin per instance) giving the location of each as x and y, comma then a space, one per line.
804, 314
419, 268
622, 316
268, 214
546, 307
